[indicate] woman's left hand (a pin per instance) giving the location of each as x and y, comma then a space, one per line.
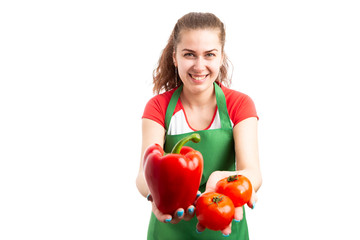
210, 187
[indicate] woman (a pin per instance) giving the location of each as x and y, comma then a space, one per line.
193, 70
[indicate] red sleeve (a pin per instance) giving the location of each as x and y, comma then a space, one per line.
240, 106
155, 108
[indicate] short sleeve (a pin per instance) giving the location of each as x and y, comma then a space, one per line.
240, 106
155, 109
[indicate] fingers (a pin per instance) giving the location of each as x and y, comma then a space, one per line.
238, 216
178, 215
149, 197
166, 218
251, 204
226, 232
200, 228
190, 211
198, 195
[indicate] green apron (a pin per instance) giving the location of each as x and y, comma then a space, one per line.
217, 148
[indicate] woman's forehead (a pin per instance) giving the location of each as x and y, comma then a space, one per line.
199, 39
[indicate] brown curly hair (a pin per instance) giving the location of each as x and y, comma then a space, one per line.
164, 74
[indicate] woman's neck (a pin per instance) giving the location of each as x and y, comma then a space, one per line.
198, 100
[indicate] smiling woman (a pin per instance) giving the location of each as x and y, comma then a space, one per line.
192, 70
166, 74
198, 57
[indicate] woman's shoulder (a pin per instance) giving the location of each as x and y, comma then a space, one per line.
240, 106
162, 99
155, 108
233, 96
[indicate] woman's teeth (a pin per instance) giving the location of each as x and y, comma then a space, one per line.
198, 78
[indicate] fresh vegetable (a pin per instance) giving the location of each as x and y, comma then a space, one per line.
214, 211
237, 187
173, 179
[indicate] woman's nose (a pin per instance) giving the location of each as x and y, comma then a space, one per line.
199, 64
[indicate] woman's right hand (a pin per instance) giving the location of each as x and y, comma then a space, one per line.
179, 214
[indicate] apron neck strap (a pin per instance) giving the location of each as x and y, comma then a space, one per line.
222, 108
171, 107
220, 100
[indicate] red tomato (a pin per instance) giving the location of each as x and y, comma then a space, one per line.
214, 211
237, 187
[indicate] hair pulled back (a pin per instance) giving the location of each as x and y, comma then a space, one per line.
164, 77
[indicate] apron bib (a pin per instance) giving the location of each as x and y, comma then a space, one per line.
217, 148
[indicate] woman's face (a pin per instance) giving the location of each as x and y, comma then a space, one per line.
198, 58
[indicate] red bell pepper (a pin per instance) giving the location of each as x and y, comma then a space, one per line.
173, 179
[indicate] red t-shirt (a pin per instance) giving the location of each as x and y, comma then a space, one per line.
239, 105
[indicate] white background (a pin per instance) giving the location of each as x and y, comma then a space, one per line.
76, 75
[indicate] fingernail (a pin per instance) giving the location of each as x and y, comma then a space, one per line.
191, 210
180, 213
198, 194
197, 231
168, 220
237, 220
253, 206
226, 235
148, 197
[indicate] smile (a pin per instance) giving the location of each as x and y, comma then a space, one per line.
198, 77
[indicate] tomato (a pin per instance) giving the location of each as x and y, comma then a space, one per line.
214, 211
237, 187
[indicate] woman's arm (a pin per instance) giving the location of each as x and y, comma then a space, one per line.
247, 164
247, 152
152, 132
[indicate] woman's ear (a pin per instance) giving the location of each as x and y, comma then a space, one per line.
174, 59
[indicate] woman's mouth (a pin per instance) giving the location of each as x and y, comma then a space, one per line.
198, 78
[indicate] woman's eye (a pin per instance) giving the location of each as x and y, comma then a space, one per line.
188, 55
210, 55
